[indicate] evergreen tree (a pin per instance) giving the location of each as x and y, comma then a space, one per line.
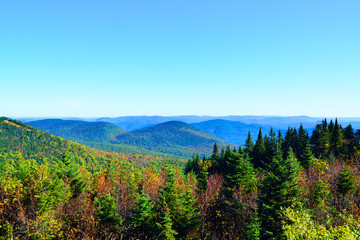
303, 141
279, 190
240, 173
320, 140
253, 230
291, 141
215, 154
249, 144
108, 218
202, 178
349, 133
336, 139
241, 150
193, 165
143, 218
180, 204
280, 141
349, 141
345, 182
331, 127
166, 230
70, 172
306, 156
271, 145
259, 153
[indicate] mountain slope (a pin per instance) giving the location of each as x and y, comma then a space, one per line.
233, 132
19, 138
173, 137
79, 131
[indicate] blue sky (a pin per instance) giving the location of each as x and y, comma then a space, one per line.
117, 58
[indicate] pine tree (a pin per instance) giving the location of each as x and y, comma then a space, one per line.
345, 182
303, 141
240, 173
180, 203
349, 132
320, 140
249, 144
202, 178
306, 156
271, 145
166, 230
331, 127
349, 141
70, 172
215, 154
280, 141
259, 153
291, 141
109, 220
279, 190
143, 218
336, 139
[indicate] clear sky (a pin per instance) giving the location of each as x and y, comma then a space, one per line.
178, 57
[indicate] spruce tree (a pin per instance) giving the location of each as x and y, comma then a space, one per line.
202, 178
166, 230
180, 204
249, 144
143, 218
349, 132
345, 182
336, 139
240, 173
303, 141
215, 154
320, 140
331, 127
278, 190
306, 156
109, 220
259, 153
271, 145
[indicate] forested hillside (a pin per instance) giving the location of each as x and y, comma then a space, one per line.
79, 131
31, 143
277, 187
98, 135
170, 139
174, 137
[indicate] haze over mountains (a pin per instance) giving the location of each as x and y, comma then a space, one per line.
174, 137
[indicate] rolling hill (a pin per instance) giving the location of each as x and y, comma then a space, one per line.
99, 135
33, 144
233, 132
79, 131
173, 137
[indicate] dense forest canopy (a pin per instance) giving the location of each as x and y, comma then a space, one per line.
289, 186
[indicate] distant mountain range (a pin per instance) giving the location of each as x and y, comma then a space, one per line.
176, 135
231, 131
137, 122
172, 138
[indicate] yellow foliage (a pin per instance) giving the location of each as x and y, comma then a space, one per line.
303, 227
319, 165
